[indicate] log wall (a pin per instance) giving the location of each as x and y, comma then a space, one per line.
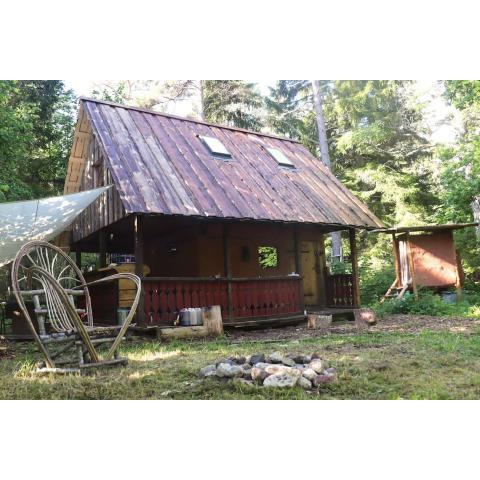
105, 210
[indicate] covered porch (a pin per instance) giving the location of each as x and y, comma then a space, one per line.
256, 271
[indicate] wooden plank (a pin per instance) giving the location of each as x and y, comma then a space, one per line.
108, 145
139, 265
175, 333
397, 260
166, 172
227, 260
298, 264
240, 186
187, 169
355, 273
412, 267
102, 248
230, 203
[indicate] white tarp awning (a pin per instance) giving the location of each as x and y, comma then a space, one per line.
42, 219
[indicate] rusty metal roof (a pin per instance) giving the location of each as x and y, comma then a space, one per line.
160, 165
427, 228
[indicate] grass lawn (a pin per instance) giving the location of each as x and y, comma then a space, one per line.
419, 364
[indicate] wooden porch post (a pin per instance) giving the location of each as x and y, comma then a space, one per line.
227, 261
139, 261
298, 262
412, 267
102, 248
78, 259
354, 256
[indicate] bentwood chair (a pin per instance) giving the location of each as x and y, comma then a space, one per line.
67, 336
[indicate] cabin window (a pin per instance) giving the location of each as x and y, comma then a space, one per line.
281, 158
245, 254
216, 147
267, 257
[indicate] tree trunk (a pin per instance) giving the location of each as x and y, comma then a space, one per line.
202, 105
322, 131
325, 157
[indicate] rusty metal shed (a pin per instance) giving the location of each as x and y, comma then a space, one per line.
425, 256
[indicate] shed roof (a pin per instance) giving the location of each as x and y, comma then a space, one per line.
160, 165
427, 228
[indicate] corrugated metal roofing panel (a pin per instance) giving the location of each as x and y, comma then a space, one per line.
160, 165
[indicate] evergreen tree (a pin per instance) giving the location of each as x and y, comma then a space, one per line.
232, 102
377, 141
36, 125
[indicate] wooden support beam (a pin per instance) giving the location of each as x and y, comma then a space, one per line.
397, 261
102, 248
139, 262
298, 262
460, 275
227, 261
78, 259
296, 250
412, 268
355, 273
322, 269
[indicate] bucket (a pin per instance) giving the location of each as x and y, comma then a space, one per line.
449, 297
122, 314
191, 316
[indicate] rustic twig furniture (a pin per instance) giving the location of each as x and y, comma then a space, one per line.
65, 333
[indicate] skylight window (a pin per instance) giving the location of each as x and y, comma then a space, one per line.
281, 158
216, 147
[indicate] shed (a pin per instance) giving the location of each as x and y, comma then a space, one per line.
425, 256
218, 214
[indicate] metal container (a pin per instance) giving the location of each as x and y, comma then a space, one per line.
449, 297
191, 316
122, 314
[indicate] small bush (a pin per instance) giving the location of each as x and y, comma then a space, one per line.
429, 303
374, 284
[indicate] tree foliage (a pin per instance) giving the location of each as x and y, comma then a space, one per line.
232, 102
36, 125
378, 138
377, 141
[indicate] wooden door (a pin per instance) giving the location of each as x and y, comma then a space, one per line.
310, 268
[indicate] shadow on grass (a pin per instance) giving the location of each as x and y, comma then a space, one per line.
370, 366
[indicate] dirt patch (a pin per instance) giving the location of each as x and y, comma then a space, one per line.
391, 323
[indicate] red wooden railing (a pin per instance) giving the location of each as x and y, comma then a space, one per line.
251, 299
340, 290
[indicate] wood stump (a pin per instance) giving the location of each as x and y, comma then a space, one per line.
319, 322
364, 318
212, 320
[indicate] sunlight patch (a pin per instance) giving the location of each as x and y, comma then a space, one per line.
150, 356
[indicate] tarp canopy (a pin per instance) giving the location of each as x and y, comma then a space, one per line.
42, 219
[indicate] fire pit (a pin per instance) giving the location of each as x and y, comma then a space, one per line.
274, 370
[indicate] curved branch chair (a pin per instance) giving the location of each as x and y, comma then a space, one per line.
66, 335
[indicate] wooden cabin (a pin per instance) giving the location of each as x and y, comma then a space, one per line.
425, 256
214, 214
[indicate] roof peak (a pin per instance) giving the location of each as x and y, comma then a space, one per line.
187, 119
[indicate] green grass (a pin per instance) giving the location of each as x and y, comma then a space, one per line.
425, 365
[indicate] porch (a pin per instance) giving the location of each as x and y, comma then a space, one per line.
243, 301
218, 263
